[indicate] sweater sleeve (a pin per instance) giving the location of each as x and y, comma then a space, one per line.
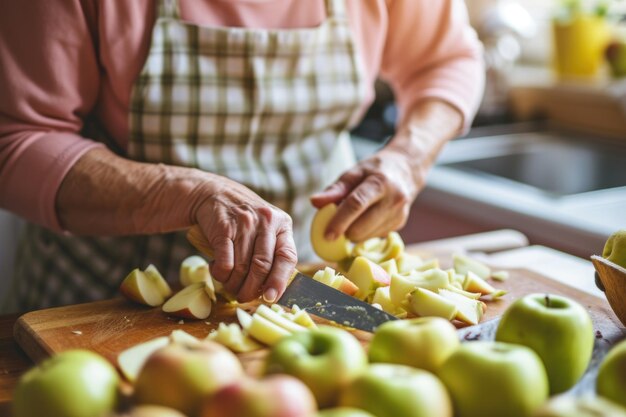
431, 51
49, 81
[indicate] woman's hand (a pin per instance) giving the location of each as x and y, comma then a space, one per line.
252, 241
373, 198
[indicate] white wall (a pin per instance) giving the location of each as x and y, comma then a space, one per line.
10, 227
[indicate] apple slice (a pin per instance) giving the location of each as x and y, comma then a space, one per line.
266, 331
132, 359
456, 289
407, 262
192, 302
329, 277
328, 250
500, 275
303, 318
231, 336
245, 318
194, 269
402, 285
474, 283
379, 250
183, 338
367, 276
145, 288
463, 263
469, 311
426, 303
390, 266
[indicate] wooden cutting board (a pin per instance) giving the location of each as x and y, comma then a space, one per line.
108, 327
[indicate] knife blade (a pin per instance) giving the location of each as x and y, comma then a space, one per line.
316, 298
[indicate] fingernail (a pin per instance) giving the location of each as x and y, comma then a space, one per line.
269, 296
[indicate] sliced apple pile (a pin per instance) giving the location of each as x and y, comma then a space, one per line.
367, 276
337, 281
380, 250
232, 336
192, 302
132, 359
146, 287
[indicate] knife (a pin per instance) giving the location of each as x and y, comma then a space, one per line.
316, 298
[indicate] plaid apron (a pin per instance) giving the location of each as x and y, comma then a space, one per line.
266, 108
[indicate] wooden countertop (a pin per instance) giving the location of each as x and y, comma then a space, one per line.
13, 361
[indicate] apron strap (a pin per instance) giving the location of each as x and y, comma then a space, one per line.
336, 8
168, 9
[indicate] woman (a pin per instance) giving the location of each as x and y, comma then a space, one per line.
123, 123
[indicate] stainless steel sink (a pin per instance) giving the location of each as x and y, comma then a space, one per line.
550, 162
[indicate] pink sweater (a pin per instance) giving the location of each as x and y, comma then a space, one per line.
65, 60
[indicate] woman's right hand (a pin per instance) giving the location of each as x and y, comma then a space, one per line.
252, 241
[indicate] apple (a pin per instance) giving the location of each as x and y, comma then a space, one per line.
180, 375
146, 287
463, 264
325, 359
329, 250
615, 248
194, 269
74, 383
390, 390
329, 277
585, 406
383, 299
272, 396
379, 250
367, 276
495, 379
390, 266
343, 412
192, 302
474, 283
426, 303
152, 411
611, 382
231, 336
457, 290
558, 329
407, 262
402, 285
423, 343
469, 311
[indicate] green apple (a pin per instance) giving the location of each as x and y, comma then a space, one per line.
180, 375
329, 250
495, 379
343, 412
615, 248
367, 276
390, 390
74, 383
272, 396
423, 343
585, 406
611, 382
325, 359
558, 329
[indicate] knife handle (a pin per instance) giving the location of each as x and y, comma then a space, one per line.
197, 239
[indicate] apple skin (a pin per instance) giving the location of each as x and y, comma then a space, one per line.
180, 375
272, 396
558, 329
326, 359
423, 343
615, 248
389, 390
611, 382
585, 406
343, 412
74, 383
495, 379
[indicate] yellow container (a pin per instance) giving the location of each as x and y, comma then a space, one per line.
579, 46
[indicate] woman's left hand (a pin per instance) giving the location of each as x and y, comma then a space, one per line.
374, 197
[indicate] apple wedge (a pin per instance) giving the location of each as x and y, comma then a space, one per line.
463, 264
469, 311
329, 277
145, 287
407, 262
265, 331
379, 250
328, 250
390, 266
231, 336
132, 359
381, 298
474, 283
276, 318
402, 285
192, 302
426, 303
367, 276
